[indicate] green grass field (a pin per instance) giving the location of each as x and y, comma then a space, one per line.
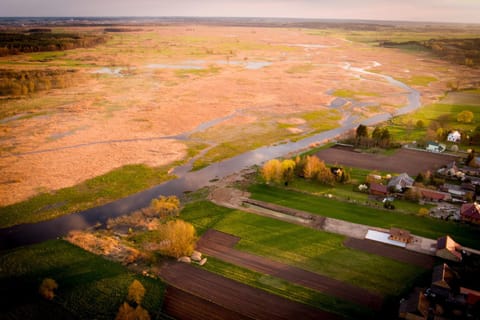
306, 248
422, 226
89, 287
114, 185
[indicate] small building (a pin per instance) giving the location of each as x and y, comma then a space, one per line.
454, 136
400, 235
434, 196
400, 183
470, 212
448, 249
435, 147
378, 189
445, 281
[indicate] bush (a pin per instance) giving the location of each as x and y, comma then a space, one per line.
47, 288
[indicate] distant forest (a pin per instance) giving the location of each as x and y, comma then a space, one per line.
461, 51
23, 82
36, 40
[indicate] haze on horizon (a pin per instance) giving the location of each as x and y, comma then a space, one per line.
461, 11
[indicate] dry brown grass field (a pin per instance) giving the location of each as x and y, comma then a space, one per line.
172, 79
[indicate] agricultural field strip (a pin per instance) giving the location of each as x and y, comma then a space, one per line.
212, 244
236, 296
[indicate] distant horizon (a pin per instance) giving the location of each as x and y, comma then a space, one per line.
441, 11
240, 17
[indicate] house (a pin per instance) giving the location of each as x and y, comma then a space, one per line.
377, 189
400, 235
435, 147
445, 281
448, 249
416, 307
470, 212
454, 136
400, 183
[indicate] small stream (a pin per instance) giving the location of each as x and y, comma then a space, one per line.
190, 181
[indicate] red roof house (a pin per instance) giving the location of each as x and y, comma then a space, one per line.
470, 212
378, 189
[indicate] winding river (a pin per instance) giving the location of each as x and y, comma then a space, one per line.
191, 180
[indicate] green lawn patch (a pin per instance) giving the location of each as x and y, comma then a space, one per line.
111, 186
288, 290
313, 250
89, 286
345, 93
302, 68
419, 80
422, 226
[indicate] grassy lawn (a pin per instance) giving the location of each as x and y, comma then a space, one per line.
422, 226
288, 290
89, 286
306, 248
97, 191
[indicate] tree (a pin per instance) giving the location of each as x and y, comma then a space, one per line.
311, 168
361, 133
136, 292
288, 168
423, 212
47, 288
178, 238
165, 206
465, 116
272, 171
324, 174
127, 312
420, 124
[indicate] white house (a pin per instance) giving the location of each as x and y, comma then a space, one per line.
454, 136
436, 147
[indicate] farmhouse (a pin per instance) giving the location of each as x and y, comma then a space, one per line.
434, 196
400, 183
448, 249
435, 147
454, 136
470, 212
415, 307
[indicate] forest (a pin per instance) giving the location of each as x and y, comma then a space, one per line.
19, 42
23, 82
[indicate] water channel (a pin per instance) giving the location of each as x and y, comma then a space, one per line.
190, 180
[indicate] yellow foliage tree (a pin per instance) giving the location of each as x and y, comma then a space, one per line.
47, 288
312, 167
165, 206
324, 174
178, 238
465, 116
423, 212
127, 312
272, 171
136, 292
288, 168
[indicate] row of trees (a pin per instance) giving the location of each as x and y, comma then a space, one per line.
380, 137
15, 43
17, 83
308, 167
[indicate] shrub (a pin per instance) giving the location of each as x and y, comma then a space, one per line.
47, 288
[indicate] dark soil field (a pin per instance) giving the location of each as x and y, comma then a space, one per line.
215, 243
404, 160
399, 254
229, 298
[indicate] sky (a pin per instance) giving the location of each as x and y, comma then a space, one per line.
467, 11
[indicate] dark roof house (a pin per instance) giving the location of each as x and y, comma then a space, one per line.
445, 281
378, 189
400, 182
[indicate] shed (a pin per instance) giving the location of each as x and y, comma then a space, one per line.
435, 196
448, 249
400, 235
378, 189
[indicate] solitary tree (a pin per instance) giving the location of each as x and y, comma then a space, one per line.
47, 288
361, 132
136, 292
465, 116
178, 238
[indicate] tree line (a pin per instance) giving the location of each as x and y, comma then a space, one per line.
23, 82
15, 42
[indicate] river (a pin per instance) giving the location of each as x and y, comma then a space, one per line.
26, 234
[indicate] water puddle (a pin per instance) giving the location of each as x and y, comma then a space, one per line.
111, 71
